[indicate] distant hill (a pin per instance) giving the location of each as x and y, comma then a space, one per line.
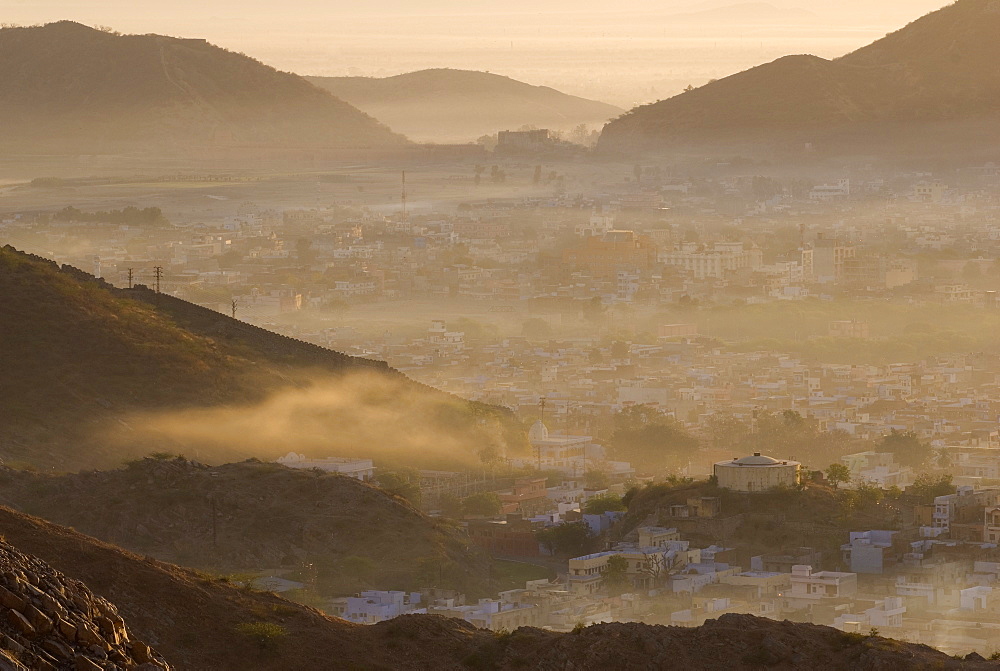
201, 623
931, 89
93, 375
66, 88
460, 105
266, 516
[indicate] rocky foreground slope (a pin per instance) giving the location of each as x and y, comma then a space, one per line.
203, 624
53, 622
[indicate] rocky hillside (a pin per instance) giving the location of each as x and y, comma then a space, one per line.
66, 88
201, 624
461, 105
89, 368
930, 89
253, 515
731, 642
54, 622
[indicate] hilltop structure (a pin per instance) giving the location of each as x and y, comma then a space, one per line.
756, 473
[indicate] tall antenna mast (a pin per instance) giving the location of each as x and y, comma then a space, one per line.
405, 215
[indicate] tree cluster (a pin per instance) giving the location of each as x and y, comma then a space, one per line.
650, 439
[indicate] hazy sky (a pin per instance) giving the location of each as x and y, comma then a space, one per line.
625, 52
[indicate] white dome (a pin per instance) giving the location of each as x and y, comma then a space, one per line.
538, 432
756, 460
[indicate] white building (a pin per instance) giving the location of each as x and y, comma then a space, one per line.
887, 613
722, 259
866, 551
360, 469
572, 455
810, 586
827, 192
756, 473
878, 468
372, 607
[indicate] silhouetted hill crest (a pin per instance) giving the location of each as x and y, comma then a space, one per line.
450, 105
931, 89
67, 88
83, 357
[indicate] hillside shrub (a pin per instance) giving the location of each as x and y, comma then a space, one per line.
267, 635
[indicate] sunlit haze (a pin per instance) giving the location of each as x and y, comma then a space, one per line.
507, 334
635, 52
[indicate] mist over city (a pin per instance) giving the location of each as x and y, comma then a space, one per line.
437, 335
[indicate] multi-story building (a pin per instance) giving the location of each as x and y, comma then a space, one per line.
606, 255
722, 260
830, 258
810, 587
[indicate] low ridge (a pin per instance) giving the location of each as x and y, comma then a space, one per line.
445, 105
252, 515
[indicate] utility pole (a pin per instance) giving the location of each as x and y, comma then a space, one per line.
129, 278
158, 274
215, 530
405, 216
538, 448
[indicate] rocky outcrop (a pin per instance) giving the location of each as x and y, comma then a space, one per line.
49, 622
201, 624
730, 642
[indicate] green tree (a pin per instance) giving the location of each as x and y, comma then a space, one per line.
596, 480
604, 503
304, 251
450, 505
404, 483
837, 473
926, 487
619, 349
484, 504
536, 329
650, 439
594, 310
615, 575
267, 635
571, 539
906, 447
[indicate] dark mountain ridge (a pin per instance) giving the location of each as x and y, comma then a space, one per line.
66, 88
85, 363
929, 89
